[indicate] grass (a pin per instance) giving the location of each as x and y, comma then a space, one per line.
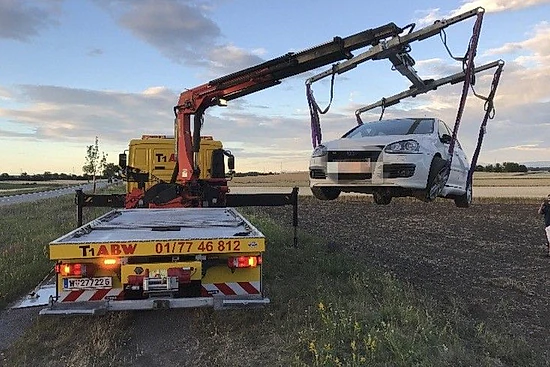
327, 309
25, 231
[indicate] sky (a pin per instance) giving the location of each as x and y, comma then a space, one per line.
71, 70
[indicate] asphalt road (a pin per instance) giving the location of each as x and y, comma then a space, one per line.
25, 198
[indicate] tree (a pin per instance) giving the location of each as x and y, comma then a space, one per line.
110, 170
95, 162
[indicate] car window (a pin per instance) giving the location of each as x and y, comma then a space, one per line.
444, 129
392, 127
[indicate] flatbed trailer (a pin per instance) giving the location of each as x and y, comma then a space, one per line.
137, 259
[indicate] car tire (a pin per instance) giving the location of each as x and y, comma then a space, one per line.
464, 201
381, 198
436, 179
325, 193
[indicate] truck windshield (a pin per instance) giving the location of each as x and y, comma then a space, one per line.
392, 127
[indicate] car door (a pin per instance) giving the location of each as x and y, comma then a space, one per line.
457, 176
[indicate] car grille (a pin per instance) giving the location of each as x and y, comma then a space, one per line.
398, 170
317, 173
353, 155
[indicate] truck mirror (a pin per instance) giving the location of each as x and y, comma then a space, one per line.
122, 160
231, 163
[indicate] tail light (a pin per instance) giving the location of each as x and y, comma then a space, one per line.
71, 269
244, 261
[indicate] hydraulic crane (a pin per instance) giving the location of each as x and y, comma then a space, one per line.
185, 188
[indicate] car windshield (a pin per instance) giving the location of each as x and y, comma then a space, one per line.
392, 127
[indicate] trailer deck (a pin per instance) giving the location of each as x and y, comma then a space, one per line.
174, 231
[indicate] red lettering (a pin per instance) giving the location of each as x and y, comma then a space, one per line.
115, 249
102, 251
129, 249
172, 158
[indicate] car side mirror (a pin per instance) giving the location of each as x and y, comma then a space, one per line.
231, 163
446, 138
122, 160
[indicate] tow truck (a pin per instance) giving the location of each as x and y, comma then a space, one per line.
182, 243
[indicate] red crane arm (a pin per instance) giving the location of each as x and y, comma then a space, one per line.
195, 101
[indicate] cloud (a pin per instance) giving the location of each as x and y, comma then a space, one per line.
95, 52
182, 31
493, 6
428, 16
228, 58
538, 44
52, 113
21, 21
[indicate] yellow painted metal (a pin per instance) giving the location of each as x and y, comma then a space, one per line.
223, 274
156, 248
160, 269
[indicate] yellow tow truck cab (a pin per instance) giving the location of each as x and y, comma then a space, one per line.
152, 158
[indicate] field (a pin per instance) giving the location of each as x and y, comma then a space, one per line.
481, 179
406, 284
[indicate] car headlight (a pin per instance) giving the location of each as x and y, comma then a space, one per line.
320, 151
403, 147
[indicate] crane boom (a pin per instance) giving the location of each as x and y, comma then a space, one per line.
196, 100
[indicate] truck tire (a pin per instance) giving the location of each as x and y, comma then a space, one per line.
325, 193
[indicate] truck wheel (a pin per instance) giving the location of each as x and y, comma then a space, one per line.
381, 198
325, 193
436, 179
464, 201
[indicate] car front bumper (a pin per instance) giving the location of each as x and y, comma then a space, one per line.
409, 171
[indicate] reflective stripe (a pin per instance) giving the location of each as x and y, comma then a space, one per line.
231, 289
89, 295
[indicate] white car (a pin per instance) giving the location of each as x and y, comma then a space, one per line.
392, 158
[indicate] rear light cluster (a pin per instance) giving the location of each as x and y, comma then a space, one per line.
82, 270
244, 261
74, 270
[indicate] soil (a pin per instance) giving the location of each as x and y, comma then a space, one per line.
491, 258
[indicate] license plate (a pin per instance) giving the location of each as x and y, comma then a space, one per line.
88, 283
349, 167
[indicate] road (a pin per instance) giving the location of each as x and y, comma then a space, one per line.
25, 198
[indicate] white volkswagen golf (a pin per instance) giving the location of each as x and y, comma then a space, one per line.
392, 158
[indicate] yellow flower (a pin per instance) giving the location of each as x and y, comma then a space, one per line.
321, 306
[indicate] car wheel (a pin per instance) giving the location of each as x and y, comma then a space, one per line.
437, 179
381, 198
325, 193
464, 201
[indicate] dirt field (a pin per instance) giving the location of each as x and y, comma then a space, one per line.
491, 258
481, 179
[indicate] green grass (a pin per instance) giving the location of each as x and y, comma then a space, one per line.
327, 309
25, 231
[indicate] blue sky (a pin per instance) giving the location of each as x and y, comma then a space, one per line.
73, 70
